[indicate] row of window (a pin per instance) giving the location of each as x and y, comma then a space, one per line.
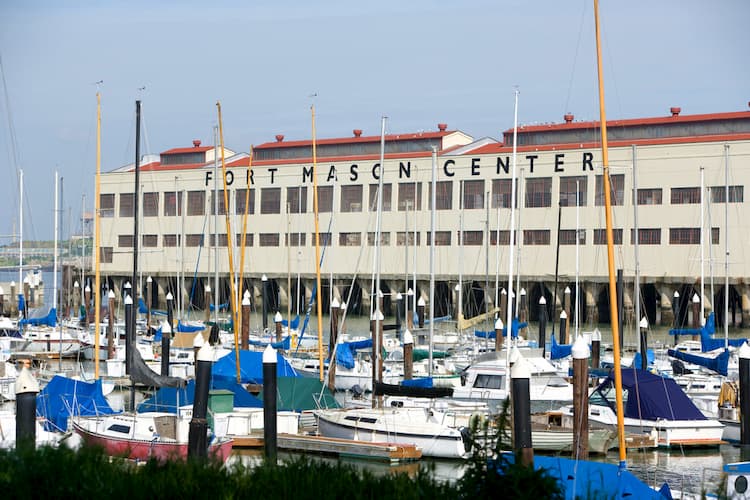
647, 236
573, 191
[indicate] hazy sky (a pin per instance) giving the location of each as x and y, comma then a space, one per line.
419, 62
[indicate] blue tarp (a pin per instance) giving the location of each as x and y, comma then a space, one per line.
181, 327
50, 319
21, 302
418, 382
708, 343
63, 397
295, 322
251, 367
346, 351
517, 327
222, 307
559, 351
167, 399
586, 479
719, 364
652, 397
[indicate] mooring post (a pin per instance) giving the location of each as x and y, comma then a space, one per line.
520, 376
543, 325
198, 432
580, 352
744, 374
269, 404
27, 388
644, 342
408, 354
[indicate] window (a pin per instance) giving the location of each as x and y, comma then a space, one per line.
473, 238
473, 194
325, 239
504, 238
536, 237
489, 381
222, 238
295, 239
442, 238
193, 240
719, 194
170, 240
539, 192
568, 236
600, 236
125, 241
684, 235
268, 239
572, 188
406, 196
374, 197
172, 203
325, 199
406, 238
105, 255
351, 198
196, 202
150, 204
714, 235
296, 200
270, 200
650, 196
241, 194
150, 240
502, 194
217, 203
616, 190
686, 195
248, 239
127, 209
646, 236
385, 239
350, 239
107, 205
443, 196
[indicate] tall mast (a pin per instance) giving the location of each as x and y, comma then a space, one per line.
318, 305
610, 247
217, 295
20, 238
511, 246
726, 246
134, 284
432, 253
703, 240
54, 274
637, 241
95, 252
376, 341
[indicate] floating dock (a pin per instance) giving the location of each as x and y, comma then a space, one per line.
388, 452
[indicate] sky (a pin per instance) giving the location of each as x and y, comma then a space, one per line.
418, 62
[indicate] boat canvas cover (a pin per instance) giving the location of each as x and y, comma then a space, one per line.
251, 367
302, 393
49, 320
652, 397
65, 397
559, 351
144, 310
346, 352
285, 344
167, 399
719, 364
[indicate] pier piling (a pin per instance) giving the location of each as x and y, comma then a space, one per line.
269, 404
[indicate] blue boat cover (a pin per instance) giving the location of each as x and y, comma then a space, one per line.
64, 397
21, 302
222, 307
719, 364
285, 344
181, 327
587, 479
50, 319
295, 322
517, 327
144, 310
167, 399
649, 358
652, 397
251, 367
346, 351
559, 351
418, 382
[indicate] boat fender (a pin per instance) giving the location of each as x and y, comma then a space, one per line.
466, 438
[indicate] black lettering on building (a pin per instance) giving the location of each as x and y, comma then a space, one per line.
531, 159
353, 174
404, 170
559, 157
449, 173
502, 164
588, 159
307, 174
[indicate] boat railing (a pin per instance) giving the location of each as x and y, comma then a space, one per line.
689, 485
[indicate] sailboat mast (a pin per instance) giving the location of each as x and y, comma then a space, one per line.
703, 240
136, 195
636, 242
217, 295
20, 238
54, 273
511, 246
377, 314
318, 305
726, 246
432, 252
95, 252
610, 247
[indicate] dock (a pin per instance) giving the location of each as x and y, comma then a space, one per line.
320, 445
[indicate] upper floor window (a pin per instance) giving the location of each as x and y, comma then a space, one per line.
443, 196
539, 192
409, 196
172, 203
686, 195
196, 201
473, 194
386, 198
270, 201
649, 196
150, 204
536, 237
242, 195
719, 194
106, 205
127, 207
325, 199
616, 189
296, 199
351, 198
573, 189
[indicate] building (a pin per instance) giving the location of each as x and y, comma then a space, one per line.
677, 174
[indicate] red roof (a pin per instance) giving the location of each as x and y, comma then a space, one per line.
193, 149
351, 140
633, 122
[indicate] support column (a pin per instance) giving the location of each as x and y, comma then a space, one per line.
580, 352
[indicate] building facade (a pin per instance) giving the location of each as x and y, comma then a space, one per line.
677, 183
